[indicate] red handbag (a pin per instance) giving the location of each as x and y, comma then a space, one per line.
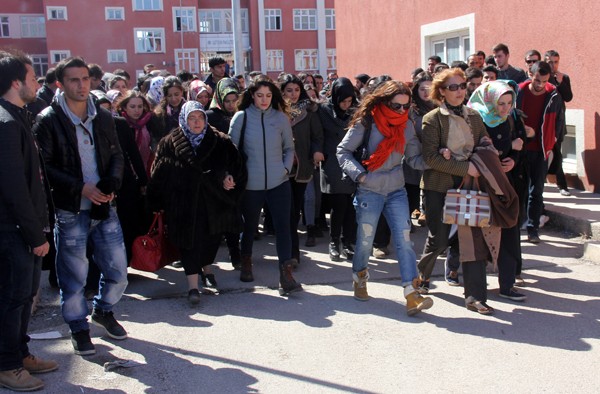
153, 251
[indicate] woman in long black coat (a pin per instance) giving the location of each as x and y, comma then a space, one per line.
198, 178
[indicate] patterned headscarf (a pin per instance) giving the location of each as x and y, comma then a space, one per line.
186, 110
197, 87
155, 93
485, 100
224, 87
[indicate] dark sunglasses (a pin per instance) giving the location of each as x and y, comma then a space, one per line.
455, 86
397, 106
531, 61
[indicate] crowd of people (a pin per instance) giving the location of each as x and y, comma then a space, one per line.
90, 156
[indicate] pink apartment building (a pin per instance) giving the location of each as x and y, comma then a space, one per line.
277, 36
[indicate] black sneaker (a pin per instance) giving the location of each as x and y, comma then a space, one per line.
533, 236
82, 344
194, 297
452, 278
107, 320
513, 295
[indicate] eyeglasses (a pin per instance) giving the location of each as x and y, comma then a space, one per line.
455, 86
397, 106
531, 61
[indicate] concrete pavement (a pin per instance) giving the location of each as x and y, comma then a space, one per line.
249, 339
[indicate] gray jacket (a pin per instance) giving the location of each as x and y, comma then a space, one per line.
384, 180
268, 144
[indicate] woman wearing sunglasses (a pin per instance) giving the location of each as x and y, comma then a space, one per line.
453, 130
383, 114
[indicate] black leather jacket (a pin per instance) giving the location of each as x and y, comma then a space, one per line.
58, 144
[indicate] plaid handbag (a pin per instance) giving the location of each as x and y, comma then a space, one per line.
467, 207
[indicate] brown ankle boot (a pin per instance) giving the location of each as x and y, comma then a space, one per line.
415, 302
360, 285
246, 270
37, 365
19, 380
286, 281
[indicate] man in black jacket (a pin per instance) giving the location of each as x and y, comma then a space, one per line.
23, 222
84, 164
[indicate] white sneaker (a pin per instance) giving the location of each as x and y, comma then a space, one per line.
543, 220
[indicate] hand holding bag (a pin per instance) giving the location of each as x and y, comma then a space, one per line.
467, 207
153, 251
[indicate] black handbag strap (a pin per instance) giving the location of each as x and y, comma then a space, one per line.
242, 133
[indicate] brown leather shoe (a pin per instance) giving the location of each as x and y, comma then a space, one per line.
36, 365
19, 380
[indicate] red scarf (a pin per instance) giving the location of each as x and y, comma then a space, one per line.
391, 125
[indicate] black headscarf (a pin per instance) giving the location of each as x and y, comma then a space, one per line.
341, 89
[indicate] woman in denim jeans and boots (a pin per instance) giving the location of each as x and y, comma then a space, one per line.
384, 115
261, 129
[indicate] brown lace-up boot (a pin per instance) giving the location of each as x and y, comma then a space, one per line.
246, 269
286, 281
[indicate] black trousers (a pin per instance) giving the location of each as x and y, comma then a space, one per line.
509, 258
298, 190
343, 218
474, 279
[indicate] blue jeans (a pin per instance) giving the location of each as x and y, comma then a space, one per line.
369, 205
279, 202
71, 235
19, 281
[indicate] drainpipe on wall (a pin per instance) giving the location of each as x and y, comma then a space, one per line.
321, 38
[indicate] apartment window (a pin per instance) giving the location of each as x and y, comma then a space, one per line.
33, 27
305, 19
330, 18
40, 64
117, 56
451, 47
306, 59
220, 21
272, 19
184, 19
114, 13
4, 31
149, 40
450, 39
274, 59
147, 5
57, 56
331, 59
57, 13
187, 59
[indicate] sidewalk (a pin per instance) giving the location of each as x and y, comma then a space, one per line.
577, 214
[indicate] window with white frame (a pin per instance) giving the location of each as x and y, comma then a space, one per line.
117, 56
187, 59
272, 19
4, 26
305, 19
329, 18
57, 56
147, 5
33, 27
220, 20
39, 64
184, 19
275, 60
114, 13
57, 13
450, 39
331, 59
306, 59
149, 40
